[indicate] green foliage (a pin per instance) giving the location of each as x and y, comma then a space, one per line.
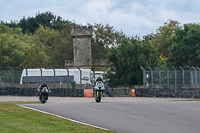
11, 53
73, 84
162, 40
49, 48
127, 59
185, 50
46, 19
104, 38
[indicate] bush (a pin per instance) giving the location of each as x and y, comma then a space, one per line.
73, 84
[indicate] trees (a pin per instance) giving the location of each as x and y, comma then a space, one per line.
127, 59
11, 53
46, 19
48, 49
162, 40
104, 38
185, 50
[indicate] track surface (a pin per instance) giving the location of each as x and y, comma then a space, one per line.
131, 116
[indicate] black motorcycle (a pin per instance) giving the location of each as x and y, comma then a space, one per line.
44, 95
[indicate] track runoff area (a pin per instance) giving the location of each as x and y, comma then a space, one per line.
135, 115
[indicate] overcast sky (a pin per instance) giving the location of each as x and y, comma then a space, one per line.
133, 17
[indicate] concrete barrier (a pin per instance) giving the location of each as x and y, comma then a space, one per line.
61, 92
173, 93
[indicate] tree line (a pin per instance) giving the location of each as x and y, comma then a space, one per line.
45, 41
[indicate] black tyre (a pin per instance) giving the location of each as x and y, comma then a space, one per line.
99, 96
43, 99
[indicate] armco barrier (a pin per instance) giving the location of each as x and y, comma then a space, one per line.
88, 93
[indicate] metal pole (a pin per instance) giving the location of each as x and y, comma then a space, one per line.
175, 77
67, 78
26, 77
167, 77
93, 76
144, 78
40, 75
151, 77
199, 71
195, 73
183, 74
12, 76
80, 77
159, 77
54, 75
93, 72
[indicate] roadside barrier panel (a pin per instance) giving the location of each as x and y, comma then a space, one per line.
133, 93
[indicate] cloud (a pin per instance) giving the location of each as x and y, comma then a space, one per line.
131, 16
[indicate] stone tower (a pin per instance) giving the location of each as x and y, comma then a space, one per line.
81, 47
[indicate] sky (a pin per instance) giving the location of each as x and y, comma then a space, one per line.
133, 17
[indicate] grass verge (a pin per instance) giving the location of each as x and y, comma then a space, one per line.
189, 100
15, 119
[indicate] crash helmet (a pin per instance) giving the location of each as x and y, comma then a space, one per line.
45, 84
99, 79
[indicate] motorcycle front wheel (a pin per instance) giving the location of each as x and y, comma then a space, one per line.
43, 99
98, 98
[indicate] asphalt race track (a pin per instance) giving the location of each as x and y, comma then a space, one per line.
131, 117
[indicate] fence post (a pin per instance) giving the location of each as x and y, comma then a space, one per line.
93, 76
151, 77
40, 75
26, 77
54, 76
183, 74
159, 77
67, 77
199, 72
195, 74
93, 72
144, 78
80, 77
167, 77
175, 77
12, 76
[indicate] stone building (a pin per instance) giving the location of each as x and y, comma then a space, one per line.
81, 47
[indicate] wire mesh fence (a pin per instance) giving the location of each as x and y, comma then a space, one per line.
55, 78
171, 78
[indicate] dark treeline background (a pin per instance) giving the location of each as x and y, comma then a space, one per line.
45, 41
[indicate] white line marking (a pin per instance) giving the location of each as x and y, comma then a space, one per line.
62, 117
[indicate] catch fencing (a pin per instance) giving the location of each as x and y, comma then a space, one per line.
55, 78
171, 77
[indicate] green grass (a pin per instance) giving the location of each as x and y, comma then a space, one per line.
189, 100
15, 119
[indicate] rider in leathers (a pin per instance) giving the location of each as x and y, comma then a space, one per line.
98, 79
44, 85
